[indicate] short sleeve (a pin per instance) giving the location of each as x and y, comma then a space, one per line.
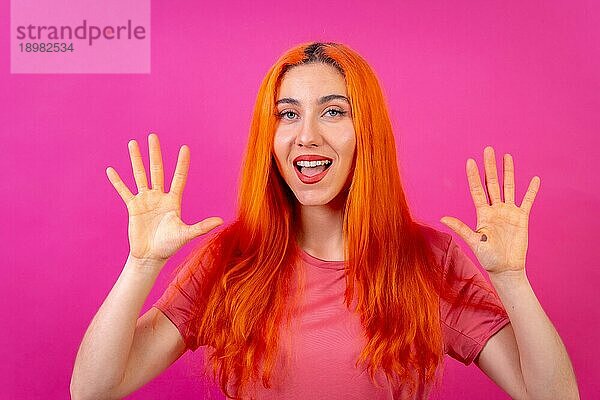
179, 309
466, 330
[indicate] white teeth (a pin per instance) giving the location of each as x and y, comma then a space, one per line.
312, 163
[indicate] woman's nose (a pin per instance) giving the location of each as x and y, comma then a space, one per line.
309, 134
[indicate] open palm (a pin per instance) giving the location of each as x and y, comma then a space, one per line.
500, 239
156, 230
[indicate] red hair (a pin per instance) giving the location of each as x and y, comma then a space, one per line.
246, 270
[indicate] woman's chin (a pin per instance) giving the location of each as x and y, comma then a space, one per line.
315, 199
311, 202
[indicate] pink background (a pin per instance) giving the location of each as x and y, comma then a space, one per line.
103, 56
520, 76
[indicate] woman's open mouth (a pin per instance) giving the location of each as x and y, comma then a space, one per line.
312, 171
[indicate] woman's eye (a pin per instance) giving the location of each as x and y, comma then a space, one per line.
287, 113
335, 111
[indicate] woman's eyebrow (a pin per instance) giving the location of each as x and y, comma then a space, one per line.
324, 99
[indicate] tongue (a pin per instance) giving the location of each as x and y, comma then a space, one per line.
312, 171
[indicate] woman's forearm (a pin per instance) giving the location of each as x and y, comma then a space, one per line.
545, 364
104, 350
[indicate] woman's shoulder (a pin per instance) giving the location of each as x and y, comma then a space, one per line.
438, 241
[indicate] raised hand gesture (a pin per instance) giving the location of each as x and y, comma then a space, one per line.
500, 240
156, 230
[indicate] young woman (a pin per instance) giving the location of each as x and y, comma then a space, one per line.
324, 286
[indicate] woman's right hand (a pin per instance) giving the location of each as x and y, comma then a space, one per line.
156, 230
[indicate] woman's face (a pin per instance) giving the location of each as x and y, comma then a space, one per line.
315, 124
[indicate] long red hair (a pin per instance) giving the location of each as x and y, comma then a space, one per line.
246, 270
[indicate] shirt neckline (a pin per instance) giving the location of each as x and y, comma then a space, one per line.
320, 263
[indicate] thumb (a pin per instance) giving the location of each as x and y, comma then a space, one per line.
204, 226
460, 228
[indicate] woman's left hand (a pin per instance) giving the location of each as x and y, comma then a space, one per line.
500, 240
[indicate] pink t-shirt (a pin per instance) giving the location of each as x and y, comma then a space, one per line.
327, 337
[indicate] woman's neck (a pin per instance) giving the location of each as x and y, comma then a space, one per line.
320, 230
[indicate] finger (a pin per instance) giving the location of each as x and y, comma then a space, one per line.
157, 175
181, 171
204, 226
534, 186
139, 173
118, 184
491, 175
475, 187
509, 179
461, 229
